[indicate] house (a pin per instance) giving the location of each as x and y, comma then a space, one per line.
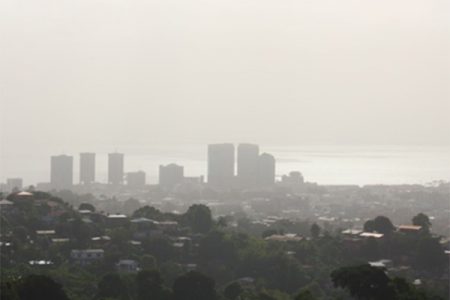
24, 194
60, 240
382, 263
410, 229
40, 263
127, 266
86, 256
371, 235
45, 232
115, 220
6, 205
289, 237
352, 232
100, 241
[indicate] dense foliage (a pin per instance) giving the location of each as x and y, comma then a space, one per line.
192, 256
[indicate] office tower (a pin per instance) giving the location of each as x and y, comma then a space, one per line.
115, 168
221, 164
266, 170
294, 178
87, 168
14, 183
61, 176
170, 175
247, 164
136, 179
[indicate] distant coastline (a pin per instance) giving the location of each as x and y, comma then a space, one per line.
325, 165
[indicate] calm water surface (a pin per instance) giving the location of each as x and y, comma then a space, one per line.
322, 164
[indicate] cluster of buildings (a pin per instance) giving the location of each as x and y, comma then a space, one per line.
61, 171
253, 169
227, 168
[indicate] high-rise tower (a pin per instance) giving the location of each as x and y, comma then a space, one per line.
87, 168
61, 173
220, 164
115, 168
247, 164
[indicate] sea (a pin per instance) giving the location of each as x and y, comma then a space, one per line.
322, 164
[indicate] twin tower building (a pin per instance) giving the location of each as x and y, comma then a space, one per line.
253, 169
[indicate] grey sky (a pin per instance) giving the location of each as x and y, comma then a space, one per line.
275, 72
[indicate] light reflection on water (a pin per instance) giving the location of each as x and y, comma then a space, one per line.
321, 164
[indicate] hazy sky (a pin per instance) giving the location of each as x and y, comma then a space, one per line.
114, 72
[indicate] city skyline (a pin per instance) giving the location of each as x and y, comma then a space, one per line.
244, 171
322, 164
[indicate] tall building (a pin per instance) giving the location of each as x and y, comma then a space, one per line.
294, 178
115, 168
87, 168
266, 170
247, 164
220, 164
14, 183
61, 175
136, 179
170, 175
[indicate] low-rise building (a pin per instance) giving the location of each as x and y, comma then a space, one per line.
86, 256
127, 266
410, 229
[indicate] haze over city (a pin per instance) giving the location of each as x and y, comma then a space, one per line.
224, 150
170, 72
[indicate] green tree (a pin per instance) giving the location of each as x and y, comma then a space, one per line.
380, 224
363, 282
315, 230
160, 247
148, 262
86, 206
112, 286
305, 295
199, 218
150, 286
269, 232
233, 291
370, 249
9, 290
194, 286
40, 287
130, 205
430, 255
148, 212
422, 220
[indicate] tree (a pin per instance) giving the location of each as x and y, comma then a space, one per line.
160, 247
233, 291
305, 295
9, 290
363, 282
130, 205
380, 224
369, 226
315, 230
148, 212
150, 286
148, 262
430, 255
269, 232
370, 249
86, 206
112, 286
40, 287
422, 220
194, 286
199, 218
